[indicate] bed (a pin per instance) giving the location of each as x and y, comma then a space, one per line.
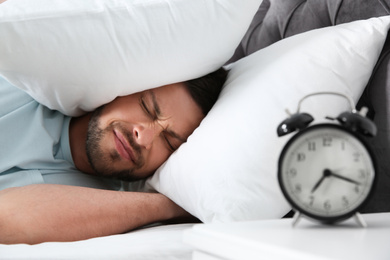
286, 49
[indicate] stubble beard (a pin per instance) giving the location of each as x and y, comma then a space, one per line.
97, 158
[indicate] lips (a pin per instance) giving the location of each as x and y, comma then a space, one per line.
123, 147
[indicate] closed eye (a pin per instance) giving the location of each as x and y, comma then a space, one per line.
145, 108
168, 142
150, 106
172, 139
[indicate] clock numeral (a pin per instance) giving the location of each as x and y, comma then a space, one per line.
342, 146
345, 201
301, 157
362, 174
327, 205
356, 157
311, 146
298, 188
327, 141
311, 200
357, 189
292, 172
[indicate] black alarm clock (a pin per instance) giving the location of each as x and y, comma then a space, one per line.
327, 171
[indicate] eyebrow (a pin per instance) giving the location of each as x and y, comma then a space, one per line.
156, 108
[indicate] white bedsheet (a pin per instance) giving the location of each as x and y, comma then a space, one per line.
158, 242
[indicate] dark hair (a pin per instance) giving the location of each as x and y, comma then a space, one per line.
205, 90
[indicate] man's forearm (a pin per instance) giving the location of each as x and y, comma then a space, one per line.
45, 212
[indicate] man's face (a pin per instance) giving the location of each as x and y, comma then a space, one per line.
132, 136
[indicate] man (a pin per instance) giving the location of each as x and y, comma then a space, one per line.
127, 139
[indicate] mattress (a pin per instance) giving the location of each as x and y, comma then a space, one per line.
153, 242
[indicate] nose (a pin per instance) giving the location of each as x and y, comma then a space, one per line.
144, 135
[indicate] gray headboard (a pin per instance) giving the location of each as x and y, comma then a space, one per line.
278, 19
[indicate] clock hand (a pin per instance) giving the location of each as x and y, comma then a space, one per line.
318, 184
326, 173
344, 178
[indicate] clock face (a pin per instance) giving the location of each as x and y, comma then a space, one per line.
326, 172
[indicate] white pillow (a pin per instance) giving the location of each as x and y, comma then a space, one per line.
227, 170
75, 55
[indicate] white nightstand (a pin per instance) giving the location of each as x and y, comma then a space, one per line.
277, 239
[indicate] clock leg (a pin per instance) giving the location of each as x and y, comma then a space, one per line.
296, 218
359, 219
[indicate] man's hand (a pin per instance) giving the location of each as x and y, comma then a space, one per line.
46, 212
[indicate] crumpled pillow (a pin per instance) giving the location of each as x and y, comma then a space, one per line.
74, 56
227, 170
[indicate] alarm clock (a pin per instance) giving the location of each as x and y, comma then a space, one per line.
326, 171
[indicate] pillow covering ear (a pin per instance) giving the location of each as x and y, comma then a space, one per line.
74, 55
227, 170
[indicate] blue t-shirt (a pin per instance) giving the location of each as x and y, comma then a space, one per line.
34, 144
